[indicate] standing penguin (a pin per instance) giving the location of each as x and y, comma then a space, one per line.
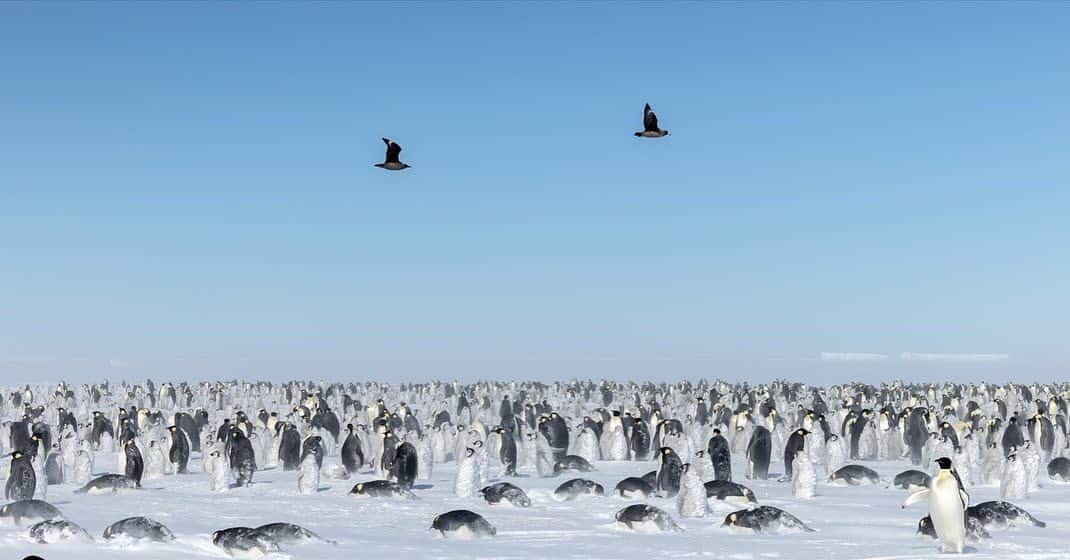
507, 453
529, 450
308, 477
758, 453
155, 462
670, 470
83, 464
289, 447
1014, 482
721, 456
352, 456
834, 453
135, 464
587, 445
54, 466
991, 465
1031, 461
40, 491
242, 457
639, 440
21, 480
691, 501
947, 506
425, 454
544, 456
466, 480
795, 446
803, 477
405, 466
179, 451
219, 467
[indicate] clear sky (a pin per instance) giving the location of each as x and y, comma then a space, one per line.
187, 190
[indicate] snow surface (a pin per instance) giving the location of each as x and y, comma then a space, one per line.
851, 522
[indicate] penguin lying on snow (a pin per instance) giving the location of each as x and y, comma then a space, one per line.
997, 514
461, 523
633, 487
30, 511
729, 491
572, 489
572, 463
645, 518
288, 533
504, 490
1059, 469
765, 519
855, 475
380, 489
107, 484
139, 528
984, 516
57, 530
911, 480
244, 541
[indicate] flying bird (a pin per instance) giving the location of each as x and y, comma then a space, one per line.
393, 157
650, 125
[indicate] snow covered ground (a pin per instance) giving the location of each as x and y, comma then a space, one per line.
850, 522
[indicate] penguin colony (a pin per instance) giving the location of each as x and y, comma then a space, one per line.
107, 438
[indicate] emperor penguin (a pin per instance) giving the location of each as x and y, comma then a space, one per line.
135, 464
947, 506
21, 479
308, 477
803, 477
758, 453
83, 464
544, 456
835, 453
466, 479
352, 456
219, 467
1014, 481
529, 450
425, 455
587, 445
179, 450
670, 470
155, 462
720, 456
54, 465
506, 453
691, 501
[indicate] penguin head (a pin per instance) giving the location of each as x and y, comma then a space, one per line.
944, 462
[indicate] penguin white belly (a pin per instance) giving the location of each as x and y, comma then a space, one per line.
945, 508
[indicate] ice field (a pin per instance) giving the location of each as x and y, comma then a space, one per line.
850, 522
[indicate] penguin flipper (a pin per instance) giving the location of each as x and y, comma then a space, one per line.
916, 497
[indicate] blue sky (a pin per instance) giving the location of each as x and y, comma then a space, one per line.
187, 190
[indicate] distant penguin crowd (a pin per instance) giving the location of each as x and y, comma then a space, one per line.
681, 437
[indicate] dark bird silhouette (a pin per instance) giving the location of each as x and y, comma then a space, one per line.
393, 157
650, 125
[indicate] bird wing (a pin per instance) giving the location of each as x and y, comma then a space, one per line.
965, 496
916, 497
393, 151
650, 119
